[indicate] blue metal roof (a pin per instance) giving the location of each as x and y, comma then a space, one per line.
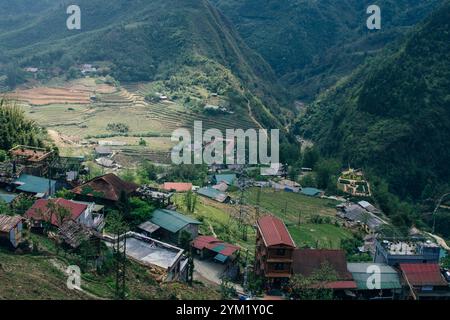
221, 258
227, 178
7, 198
32, 184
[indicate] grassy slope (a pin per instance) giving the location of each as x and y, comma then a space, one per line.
30, 277
303, 207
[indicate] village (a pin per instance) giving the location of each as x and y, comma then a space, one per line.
254, 251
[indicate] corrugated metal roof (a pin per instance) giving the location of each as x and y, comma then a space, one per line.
40, 209
7, 223
311, 191
423, 274
389, 277
7, 198
212, 193
227, 178
32, 184
307, 261
177, 186
274, 232
107, 187
171, 220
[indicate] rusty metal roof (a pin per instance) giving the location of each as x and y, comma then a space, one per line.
274, 232
7, 223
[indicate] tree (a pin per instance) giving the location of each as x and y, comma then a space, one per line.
65, 194
325, 174
310, 157
3, 155
313, 287
190, 201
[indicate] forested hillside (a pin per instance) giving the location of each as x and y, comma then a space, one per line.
393, 115
145, 41
311, 44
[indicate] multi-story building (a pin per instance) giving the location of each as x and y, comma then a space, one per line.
274, 252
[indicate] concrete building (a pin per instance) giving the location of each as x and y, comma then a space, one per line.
395, 252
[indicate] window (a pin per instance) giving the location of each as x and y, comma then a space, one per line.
279, 266
281, 252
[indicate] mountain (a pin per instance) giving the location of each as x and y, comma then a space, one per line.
312, 44
392, 115
142, 40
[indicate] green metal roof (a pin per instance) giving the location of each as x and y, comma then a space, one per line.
389, 276
228, 178
34, 184
209, 192
311, 191
171, 220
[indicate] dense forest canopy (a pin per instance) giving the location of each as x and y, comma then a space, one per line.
393, 114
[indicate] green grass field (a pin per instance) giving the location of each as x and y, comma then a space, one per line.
296, 210
319, 235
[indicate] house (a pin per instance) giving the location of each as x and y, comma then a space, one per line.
103, 151
37, 186
11, 230
208, 247
165, 261
311, 192
307, 261
36, 161
356, 215
79, 212
229, 179
213, 194
10, 171
7, 197
274, 252
74, 234
369, 207
286, 185
394, 252
106, 162
221, 186
169, 225
177, 186
425, 281
153, 194
106, 189
389, 287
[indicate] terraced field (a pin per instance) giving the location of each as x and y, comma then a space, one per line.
83, 109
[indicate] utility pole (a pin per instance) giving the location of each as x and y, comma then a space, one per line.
437, 208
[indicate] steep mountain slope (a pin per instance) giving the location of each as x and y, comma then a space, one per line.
393, 114
141, 41
311, 44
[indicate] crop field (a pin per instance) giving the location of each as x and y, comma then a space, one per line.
83, 109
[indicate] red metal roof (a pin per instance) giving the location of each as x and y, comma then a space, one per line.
40, 212
177, 186
423, 274
307, 261
107, 187
274, 232
211, 243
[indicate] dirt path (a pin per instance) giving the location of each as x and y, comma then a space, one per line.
440, 241
250, 114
